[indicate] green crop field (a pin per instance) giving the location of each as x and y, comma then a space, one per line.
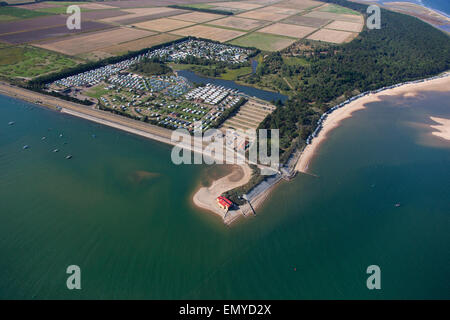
59, 10
263, 41
29, 62
338, 9
234, 74
97, 92
295, 61
13, 13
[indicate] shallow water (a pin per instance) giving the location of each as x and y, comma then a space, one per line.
121, 211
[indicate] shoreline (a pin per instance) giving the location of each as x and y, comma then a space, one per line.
205, 197
334, 119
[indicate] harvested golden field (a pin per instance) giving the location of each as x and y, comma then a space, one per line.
262, 15
334, 16
163, 24
299, 4
345, 26
94, 41
288, 30
140, 44
333, 36
208, 32
239, 23
237, 5
279, 10
198, 17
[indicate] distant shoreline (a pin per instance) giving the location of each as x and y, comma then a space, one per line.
334, 119
204, 198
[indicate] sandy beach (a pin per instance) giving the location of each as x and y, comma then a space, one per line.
442, 129
334, 119
205, 197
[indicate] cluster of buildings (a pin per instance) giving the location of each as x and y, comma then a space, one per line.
176, 86
94, 76
203, 49
210, 94
174, 52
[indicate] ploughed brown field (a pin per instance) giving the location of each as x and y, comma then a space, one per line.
30, 24
148, 13
93, 41
52, 32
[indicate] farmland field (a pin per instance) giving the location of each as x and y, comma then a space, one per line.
288, 30
345, 26
30, 24
56, 31
238, 5
198, 17
163, 24
208, 32
333, 16
139, 44
262, 15
239, 23
27, 62
333, 36
13, 13
140, 14
263, 41
337, 9
90, 42
299, 4
306, 21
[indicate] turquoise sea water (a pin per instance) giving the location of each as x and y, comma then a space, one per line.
122, 212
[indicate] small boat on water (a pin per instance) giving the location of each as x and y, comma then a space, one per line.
69, 157
25, 147
397, 205
43, 138
10, 123
60, 135
55, 150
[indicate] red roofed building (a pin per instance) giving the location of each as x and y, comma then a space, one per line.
224, 203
